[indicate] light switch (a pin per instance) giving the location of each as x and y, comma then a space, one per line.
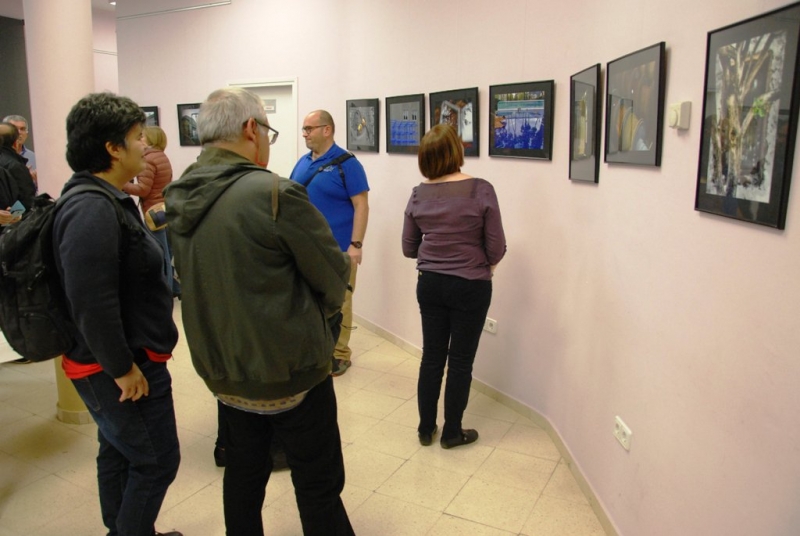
679, 115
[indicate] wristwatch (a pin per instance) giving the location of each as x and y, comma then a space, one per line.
357, 244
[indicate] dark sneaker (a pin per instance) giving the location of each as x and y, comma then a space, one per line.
464, 438
339, 367
426, 439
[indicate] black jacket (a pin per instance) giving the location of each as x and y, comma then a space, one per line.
18, 168
114, 280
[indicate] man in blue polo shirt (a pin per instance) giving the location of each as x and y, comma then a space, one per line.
337, 186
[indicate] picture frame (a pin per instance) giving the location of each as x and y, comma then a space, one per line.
458, 107
405, 123
151, 115
586, 112
521, 120
187, 124
363, 124
635, 107
750, 118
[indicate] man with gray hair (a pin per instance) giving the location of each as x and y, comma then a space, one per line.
263, 281
11, 161
24, 131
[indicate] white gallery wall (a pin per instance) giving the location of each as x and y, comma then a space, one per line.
614, 299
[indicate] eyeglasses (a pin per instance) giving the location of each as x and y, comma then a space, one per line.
309, 130
273, 136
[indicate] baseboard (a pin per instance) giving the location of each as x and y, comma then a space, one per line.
520, 408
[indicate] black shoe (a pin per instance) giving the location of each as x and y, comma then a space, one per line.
21, 361
173, 533
219, 456
464, 438
426, 439
339, 367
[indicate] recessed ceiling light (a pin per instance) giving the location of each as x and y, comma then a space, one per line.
112, 2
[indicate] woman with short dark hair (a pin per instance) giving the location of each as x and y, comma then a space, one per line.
454, 230
111, 270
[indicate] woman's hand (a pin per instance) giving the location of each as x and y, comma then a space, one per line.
133, 384
6, 217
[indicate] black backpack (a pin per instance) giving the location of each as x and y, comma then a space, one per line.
33, 312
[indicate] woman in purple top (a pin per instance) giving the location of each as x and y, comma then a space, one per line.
454, 230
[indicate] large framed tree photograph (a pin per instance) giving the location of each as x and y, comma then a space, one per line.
750, 118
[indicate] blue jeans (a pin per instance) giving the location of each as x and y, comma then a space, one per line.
172, 283
310, 435
139, 453
453, 311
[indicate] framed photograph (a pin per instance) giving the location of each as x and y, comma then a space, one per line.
151, 113
405, 122
187, 124
363, 124
459, 108
585, 95
635, 107
750, 118
521, 119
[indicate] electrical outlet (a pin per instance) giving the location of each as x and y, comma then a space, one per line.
490, 325
622, 433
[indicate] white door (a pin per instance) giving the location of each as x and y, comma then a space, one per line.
280, 101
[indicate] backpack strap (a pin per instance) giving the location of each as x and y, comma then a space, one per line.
335, 162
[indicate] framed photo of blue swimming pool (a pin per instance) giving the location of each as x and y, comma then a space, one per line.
635, 107
405, 122
521, 119
750, 118
458, 107
585, 117
363, 117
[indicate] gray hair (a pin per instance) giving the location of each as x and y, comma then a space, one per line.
224, 113
17, 118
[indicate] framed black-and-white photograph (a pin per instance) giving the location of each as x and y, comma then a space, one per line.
459, 108
151, 115
585, 93
750, 118
635, 107
521, 120
187, 124
405, 123
362, 125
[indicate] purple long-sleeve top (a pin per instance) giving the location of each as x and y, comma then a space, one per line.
454, 228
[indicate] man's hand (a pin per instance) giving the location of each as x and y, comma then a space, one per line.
355, 254
133, 384
7, 217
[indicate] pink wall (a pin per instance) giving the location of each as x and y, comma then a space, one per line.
614, 299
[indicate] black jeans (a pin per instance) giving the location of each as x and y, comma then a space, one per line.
310, 435
453, 311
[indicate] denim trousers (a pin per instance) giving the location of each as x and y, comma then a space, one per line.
453, 311
310, 436
139, 452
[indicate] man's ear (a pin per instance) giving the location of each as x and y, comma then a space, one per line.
113, 150
251, 130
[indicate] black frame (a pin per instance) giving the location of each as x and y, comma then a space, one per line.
586, 113
538, 98
151, 113
187, 124
467, 128
406, 126
363, 125
748, 179
632, 108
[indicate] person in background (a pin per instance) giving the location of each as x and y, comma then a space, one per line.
340, 192
453, 228
121, 307
24, 131
149, 187
11, 161
263, 280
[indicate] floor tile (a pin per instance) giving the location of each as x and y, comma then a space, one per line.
388, 516
513, 470
492, 504
390, 438
454, 526
557, 517
529, 440
423, 485
367, 468
371, 404
562, 485
393, 385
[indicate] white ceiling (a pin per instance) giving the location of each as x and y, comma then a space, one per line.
13, 8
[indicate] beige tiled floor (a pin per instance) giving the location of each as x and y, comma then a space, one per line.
512, 481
